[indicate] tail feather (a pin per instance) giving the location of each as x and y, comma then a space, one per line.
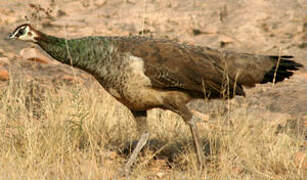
284, 70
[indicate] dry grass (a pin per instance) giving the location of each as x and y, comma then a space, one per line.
66, 132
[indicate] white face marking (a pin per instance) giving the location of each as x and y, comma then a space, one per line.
24, 33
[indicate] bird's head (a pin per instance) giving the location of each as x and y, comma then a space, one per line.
24, 32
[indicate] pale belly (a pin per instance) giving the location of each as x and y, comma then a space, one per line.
131, 87
139, 99
144, 98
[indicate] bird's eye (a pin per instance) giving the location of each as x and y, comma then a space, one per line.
20, 32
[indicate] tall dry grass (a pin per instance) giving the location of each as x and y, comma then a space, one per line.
75, 132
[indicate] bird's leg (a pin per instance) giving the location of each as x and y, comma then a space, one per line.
140, 118
197, 143
186, 114
187, 117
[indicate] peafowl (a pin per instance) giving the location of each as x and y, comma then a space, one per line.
144, 73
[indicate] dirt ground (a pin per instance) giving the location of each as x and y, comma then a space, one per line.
264, 27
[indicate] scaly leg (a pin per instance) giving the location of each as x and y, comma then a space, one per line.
185, 113
140, 118
197, 143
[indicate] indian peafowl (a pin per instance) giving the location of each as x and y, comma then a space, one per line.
144, 73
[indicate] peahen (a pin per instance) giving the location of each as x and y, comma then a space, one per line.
144, 73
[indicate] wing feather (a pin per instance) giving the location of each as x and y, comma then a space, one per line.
173, 65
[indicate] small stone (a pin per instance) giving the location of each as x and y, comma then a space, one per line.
32, 54
3, 60
4, 75
100, 3
225, 39
112, 155
39, 60
160, 174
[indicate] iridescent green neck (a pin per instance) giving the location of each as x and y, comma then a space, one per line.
55, 47
85, 53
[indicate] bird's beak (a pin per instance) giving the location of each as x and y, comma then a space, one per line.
10, 36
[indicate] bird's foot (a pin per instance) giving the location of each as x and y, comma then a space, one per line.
141, 143
124, 171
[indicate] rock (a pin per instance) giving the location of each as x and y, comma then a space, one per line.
160, 174
112, 155
33, 54
100, 3
39, 60
3, 60
4, 75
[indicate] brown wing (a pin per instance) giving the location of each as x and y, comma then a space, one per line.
172, 65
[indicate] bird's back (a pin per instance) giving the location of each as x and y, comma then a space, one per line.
177, 66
